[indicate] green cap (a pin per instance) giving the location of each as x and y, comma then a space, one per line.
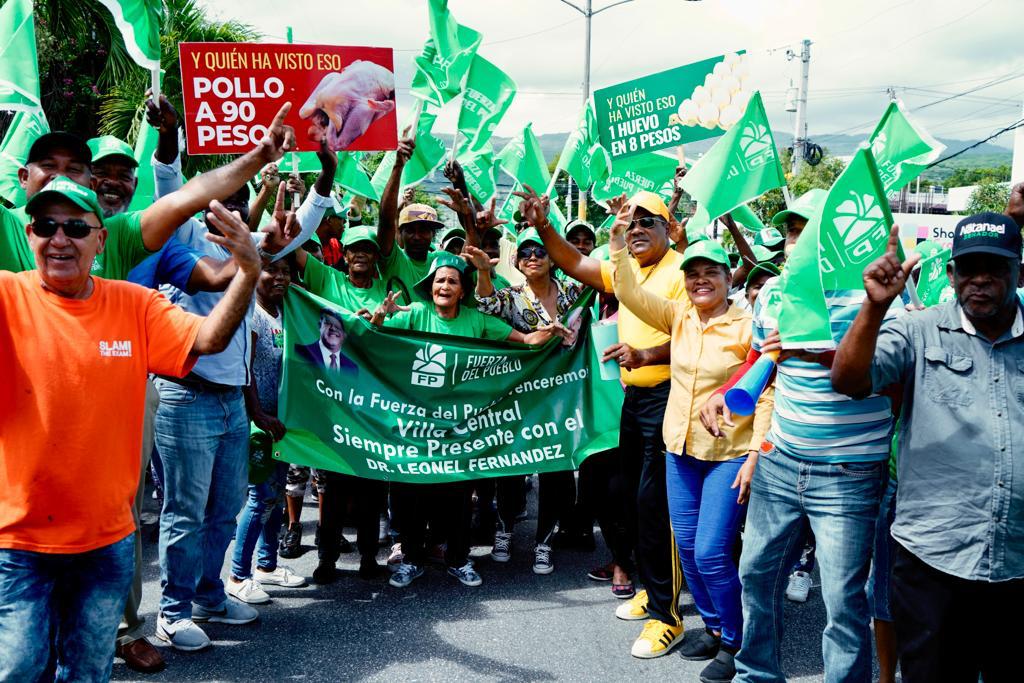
578, 223
768, 237
442, 259
357, 234
335, 209
448, 234
109, 146
762, 254
705, 249
765, 267
528, 235
807, 206
64, 187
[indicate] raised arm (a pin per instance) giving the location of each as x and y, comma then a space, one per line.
164, 216
270, 178
388, 225
311, 212
748, 259
577, 266
656, 311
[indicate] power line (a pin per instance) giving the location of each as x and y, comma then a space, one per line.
1012, 126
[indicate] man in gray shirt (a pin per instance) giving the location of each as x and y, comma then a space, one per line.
959, 509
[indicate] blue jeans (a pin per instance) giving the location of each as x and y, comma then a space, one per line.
841, 503
881, 562
260, 521
705, 519
59, 613
203, 439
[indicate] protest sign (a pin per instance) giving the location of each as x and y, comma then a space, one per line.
425, 408
673, 107
344, 95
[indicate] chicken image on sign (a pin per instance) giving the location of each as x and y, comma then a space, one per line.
342, 95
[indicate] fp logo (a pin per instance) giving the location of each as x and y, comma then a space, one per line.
755, 147
429, 366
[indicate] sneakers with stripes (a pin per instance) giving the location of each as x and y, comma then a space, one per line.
657, 639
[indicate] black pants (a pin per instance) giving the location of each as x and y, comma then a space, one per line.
602, 490
367, 496
555, 499
642, 459
449, 506
950, 629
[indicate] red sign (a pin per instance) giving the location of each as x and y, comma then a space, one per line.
345, 95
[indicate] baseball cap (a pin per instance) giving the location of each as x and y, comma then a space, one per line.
109, 146
705, 249
335, 209
448, 234
987, 233
528, 235
419, 213
44, 144
766, 267
762, 254
442, 259
768, 237
651, 202
357, 234
807, 206
64, 187
579, 223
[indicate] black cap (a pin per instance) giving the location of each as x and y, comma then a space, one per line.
44, 144
987, 233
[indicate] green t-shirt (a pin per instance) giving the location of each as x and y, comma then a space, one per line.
397, 265
15, 254
469, 323
335, 286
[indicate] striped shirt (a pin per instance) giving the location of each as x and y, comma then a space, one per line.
811, 420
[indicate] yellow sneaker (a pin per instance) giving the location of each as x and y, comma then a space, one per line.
657, 639
633, 609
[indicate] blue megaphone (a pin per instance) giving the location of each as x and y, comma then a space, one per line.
742, 398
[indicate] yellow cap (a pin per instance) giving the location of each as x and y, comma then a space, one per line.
414, 213
651, 202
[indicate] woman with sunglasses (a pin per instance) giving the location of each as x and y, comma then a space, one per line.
452, 310
542, 300
710, 338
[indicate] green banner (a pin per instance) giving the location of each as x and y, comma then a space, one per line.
652, 172
673, 107
447, 56
488, 94
19, 68
426, 408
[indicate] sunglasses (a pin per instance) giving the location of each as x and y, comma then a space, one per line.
648, 222
527, 252
74, 228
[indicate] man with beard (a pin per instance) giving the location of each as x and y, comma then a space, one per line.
959, 523
643, 354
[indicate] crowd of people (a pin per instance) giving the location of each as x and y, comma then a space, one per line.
169, 365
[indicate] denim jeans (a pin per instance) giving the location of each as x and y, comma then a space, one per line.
881, 562
841, 503
59, 613
260, 521
705, 519
203, 439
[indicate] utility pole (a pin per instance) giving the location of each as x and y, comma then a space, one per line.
800, 131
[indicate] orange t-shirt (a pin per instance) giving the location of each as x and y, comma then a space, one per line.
72, 393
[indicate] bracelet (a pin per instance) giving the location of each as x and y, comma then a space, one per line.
264, 254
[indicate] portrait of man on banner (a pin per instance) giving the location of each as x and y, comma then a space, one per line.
326, 352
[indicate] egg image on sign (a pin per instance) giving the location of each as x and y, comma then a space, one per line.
719, 102
344, 104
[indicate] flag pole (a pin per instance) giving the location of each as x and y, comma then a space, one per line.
154, 75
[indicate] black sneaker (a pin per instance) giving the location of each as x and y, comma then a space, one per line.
291, 544
700, 646
345, 546
325, 573
722, 669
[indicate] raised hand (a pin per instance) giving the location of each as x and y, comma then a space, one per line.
283, 226
488, 218
534, 208
279, 138
387, 307
616, 203
623, 219
161, 116
235, 237
456, 201
886, 277
271, 177
296, 186
677, 230
406, 147
478, 258
678, 179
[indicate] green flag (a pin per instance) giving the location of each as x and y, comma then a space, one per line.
426, 408
19, 69
901, 148
478, 169
446, 59
145, 147
740, 167
523, 159
488, 94
653, 172
25, 128
933, 282
139, 23
834, 248
351, 176
583, 157
301, 162
429, 154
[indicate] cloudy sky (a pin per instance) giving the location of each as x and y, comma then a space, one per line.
928, 50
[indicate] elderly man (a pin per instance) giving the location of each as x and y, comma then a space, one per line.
960, 503
66, 560
643, 354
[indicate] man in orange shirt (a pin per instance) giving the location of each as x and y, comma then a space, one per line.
75, 351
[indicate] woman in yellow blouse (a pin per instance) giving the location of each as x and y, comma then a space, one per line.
710, 339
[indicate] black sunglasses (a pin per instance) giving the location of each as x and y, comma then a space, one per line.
648, 222
527, 252
74, 228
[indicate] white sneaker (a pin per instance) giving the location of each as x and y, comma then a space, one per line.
502, 550
246, 590
799, 586
231, 612
182, 635
396, 558
282, 576
542, 563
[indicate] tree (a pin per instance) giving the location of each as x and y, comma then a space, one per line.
973, 176
990, 195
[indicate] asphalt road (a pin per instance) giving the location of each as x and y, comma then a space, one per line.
517, 626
